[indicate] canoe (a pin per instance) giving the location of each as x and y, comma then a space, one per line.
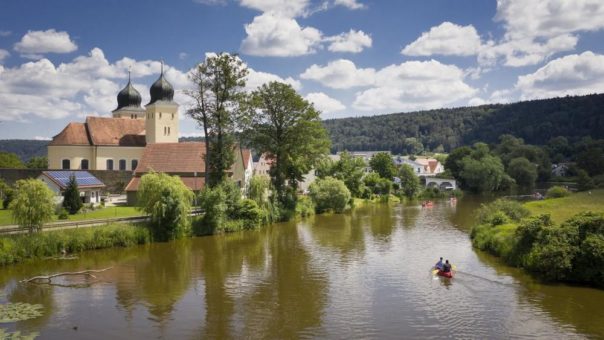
445, 274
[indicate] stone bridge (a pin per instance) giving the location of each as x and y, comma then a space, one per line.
441, 183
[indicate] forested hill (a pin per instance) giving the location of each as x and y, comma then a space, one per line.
24, 148
535, 121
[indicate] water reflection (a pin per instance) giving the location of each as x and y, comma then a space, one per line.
362, 274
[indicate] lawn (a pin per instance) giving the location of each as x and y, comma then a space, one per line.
561, 209
109, 212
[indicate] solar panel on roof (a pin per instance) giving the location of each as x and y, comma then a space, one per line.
83, 178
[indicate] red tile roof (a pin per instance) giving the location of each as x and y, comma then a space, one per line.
103, 131
72, 134
247, 155
173, 158
193, 183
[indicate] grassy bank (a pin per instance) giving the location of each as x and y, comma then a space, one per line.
19, 248
101, 213
559, 239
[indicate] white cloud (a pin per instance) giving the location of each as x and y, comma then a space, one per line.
577, 74
5, 33
286, 8
85, 86
351, 4
324, 103
3, 54
183, 55
35, 43
256, 79
414, 85
445, 39
353, 41
270, 34
526, 51
42, 138
340, 74
211, 2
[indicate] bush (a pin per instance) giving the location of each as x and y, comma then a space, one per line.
557, 192
9, 195
168, 201
249, 213
213, 203
329, 194
512, 209
63, 214
304, 207
33, 204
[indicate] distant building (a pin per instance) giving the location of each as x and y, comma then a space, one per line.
561, 169
421, 166
89, 186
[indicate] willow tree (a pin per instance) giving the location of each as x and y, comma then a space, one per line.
219, 89
33, 204
287, 128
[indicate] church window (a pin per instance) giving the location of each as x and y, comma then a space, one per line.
172, 116
168, 130
66, 164
134, 164
110, 164
84, 164
122, 164
160, 115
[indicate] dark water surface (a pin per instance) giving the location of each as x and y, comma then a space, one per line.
363, 274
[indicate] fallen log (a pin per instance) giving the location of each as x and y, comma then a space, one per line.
48, 278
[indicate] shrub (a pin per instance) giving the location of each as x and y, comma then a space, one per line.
33, 204
213, 203
63, 214
329, 194
512, 209
557, 192
304, 207
249, 213
168, 201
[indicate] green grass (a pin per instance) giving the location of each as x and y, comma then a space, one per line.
103, 213
561, 209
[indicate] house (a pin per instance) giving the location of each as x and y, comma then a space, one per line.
89, 186
561, 169
421, 166
186, 160
263, 165
118, 143
311, 176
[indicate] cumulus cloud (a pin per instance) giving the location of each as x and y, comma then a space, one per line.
275, 35
577, 74
35, 43
256, 79
286, 8
414, 85
445, 39
86, 85
340, 74
353, 42
351, 4
324, 103
3, 54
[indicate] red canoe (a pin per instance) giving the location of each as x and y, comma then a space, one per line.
445, 274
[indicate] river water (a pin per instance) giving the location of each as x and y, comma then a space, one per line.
362, 274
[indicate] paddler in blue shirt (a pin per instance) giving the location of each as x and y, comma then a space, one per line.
439, 264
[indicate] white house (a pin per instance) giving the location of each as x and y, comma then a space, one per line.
89, 186
421, 166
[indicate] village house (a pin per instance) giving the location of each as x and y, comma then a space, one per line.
422, 166
89, 186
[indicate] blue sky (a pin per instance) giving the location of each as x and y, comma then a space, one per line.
63, 60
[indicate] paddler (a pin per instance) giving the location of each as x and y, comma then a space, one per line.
439, 264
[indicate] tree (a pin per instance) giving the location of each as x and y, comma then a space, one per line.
10, 160
584, 182
219, 90
592, 161
37, 163
33, 204
453, 163
348, 169
383, 164
287, 128
329, 194
168, 201
410, 185
71, 196
485, 174
523, 172
412, 146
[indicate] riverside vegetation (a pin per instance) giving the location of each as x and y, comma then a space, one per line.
558, 239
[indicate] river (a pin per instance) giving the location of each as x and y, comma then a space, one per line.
362, 274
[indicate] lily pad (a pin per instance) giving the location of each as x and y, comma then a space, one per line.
13, 312
16, 335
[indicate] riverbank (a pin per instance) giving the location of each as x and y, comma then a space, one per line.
558, 239
20, 248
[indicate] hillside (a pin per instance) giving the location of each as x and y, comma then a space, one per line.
535, 121
24, 148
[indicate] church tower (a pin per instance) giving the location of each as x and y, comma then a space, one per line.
129, 103
161, 125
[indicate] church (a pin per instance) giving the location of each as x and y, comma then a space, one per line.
140, 140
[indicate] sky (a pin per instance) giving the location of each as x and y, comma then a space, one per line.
63, 60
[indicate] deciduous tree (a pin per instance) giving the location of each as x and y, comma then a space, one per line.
33, 204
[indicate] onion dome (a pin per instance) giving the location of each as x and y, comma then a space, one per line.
161, 90
128, 96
